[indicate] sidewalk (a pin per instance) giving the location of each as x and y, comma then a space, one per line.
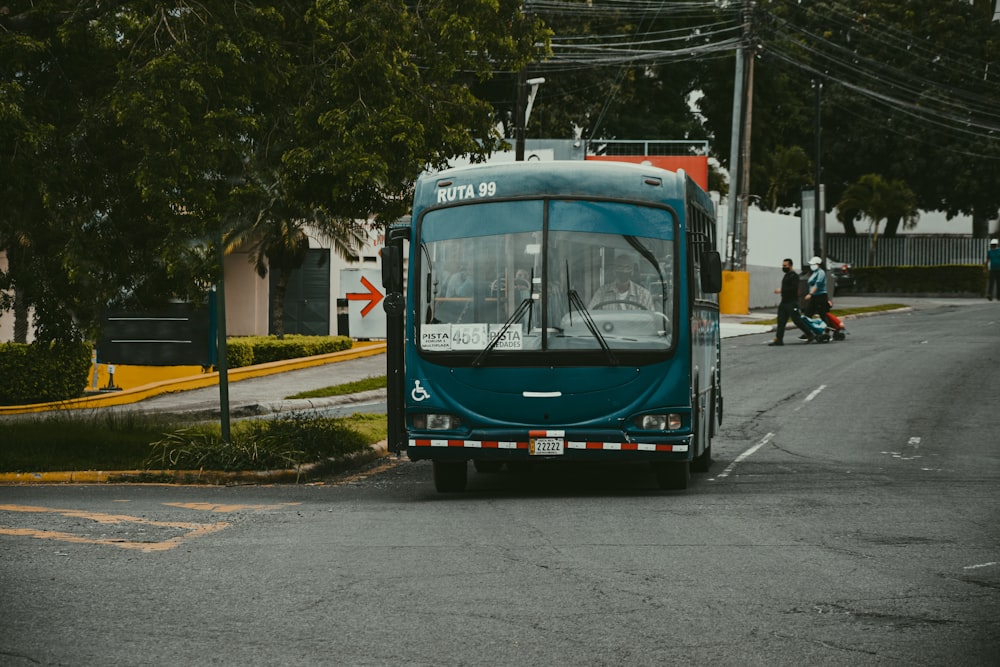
742, 325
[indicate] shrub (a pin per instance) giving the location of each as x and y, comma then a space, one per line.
263, 349
239, 352
42, 372
283, 442
943, 279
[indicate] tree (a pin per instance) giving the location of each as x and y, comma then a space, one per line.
612, 79
788, 170
909, 93
162, 126
877, 199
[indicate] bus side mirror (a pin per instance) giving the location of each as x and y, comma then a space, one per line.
392, 268
711, 272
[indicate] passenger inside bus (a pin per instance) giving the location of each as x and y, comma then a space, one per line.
460, 283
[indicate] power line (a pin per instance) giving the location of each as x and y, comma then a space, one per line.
894, 69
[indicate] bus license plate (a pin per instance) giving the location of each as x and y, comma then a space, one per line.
546, 446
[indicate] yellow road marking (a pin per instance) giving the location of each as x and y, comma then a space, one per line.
193, 530
357, 477
212, 507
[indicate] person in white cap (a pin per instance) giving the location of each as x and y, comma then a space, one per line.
817, 299
993, 264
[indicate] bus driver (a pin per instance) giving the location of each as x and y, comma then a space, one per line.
623, 293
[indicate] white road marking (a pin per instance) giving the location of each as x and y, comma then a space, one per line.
810, 397
913, 442
743, 456
976, 567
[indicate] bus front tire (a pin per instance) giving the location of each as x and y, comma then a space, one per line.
703, 461
673, 476
450, 476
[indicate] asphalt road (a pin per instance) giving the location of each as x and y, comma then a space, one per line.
850, 518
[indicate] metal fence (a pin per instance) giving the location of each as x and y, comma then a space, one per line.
907, 250
626, 147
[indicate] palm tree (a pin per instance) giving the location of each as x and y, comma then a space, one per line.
788, 169
278, 240
879, 199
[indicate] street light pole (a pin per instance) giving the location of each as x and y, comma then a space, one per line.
221, 360
525, 101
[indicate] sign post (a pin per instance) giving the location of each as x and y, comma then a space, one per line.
365, 319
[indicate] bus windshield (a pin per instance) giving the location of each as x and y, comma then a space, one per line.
503, 281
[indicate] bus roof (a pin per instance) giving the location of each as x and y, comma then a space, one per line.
558, 178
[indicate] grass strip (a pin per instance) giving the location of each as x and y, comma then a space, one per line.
116, 440
841, 312
368, 384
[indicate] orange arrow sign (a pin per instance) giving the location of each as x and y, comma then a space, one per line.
372, 296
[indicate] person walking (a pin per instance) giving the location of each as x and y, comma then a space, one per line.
817, 299
789, 306
993, 264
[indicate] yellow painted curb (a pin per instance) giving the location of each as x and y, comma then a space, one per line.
364, 349
208, 477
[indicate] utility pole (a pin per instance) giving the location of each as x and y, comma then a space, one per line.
819, 226
739, 155
745, 153
734, 161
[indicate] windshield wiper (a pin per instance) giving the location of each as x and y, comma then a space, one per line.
575, 300
651, 258
524, 306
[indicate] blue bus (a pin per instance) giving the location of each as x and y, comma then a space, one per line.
556, 311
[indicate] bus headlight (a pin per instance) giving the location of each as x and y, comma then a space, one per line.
666, 422
435, 422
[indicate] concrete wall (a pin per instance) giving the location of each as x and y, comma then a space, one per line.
246, 297
247, 294
771, 237
7, 317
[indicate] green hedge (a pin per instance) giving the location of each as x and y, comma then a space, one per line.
39, 373
252, 350
944, 279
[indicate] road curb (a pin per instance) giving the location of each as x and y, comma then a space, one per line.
200, 381
764, 328
202, 477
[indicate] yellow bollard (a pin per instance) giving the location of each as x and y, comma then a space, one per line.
735, 296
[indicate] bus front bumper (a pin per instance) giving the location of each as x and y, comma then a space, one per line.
556, 447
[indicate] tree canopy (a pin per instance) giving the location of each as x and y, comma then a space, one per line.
135, 133
909, 88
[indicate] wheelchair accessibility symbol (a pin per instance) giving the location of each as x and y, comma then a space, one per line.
419, 393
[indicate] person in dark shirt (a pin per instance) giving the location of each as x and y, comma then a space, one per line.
789, 306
